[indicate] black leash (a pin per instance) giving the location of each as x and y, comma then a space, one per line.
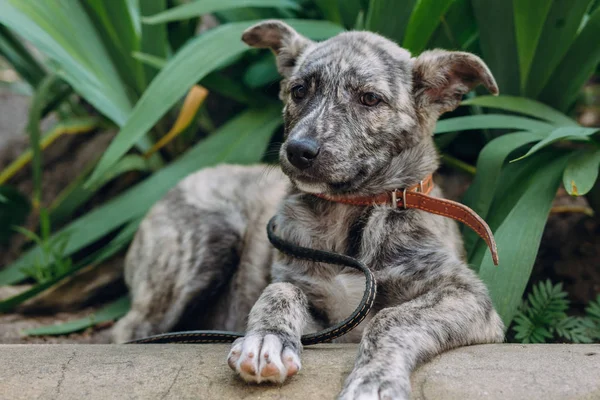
303, 253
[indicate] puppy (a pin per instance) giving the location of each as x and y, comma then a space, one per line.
359, 115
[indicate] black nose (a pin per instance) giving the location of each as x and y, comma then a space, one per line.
302, 152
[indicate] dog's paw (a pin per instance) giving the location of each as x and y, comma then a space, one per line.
367, 387
264, 358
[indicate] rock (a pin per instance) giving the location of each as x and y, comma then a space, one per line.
200, 372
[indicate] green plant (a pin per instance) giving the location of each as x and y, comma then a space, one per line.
542, 317
517, 176
14, 208
52, 262
133, 61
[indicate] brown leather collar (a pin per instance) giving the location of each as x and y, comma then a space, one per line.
417, 196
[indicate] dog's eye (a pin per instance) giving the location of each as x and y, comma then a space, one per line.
370, 99
298, 92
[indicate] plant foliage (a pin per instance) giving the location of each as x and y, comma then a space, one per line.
542, 317
131, 63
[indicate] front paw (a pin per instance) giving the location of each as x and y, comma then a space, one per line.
374, 386
264, 357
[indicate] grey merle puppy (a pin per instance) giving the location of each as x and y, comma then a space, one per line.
359, 115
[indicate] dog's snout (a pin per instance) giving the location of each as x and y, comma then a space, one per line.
302, 152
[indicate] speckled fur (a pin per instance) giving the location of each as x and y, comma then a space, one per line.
204, 245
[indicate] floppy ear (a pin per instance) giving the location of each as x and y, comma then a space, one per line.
441, 78
286, 43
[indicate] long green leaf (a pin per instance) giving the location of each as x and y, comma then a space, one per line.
262, 72
582, 171
154, 37
530, 17
20, 58
498, 42
110, 312
576, 67
330, 10
155, 63
560, 29
562, 133
491, 160
129, 163
200, 57
14, 208
115, 27
389, 17
522, 105
519, 236
62, 30
198, 8
458, 30
490, 121
33, 128
349, 11
242, 140
423, 22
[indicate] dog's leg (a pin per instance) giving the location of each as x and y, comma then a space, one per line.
270, 351
170, 270
400, 338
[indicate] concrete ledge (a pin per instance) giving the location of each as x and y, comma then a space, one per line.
199, 372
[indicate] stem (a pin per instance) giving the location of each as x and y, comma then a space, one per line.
33, 127
71, 127
572, 209
458, 164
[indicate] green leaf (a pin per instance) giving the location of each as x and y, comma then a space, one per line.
20, 58
224, 85
498, 42
14, 209
562, 133
458, 29
576, 67
423, 22
389, 18
574, 329
330, 10
524, 106
129, 163
111, 312
62, 30
242, 140
490, 121
198, 8
33, 129
152, 61
491, 160
154, 37
351, 11
202, 55
117, 31
115, 245
530, 17
519, 234
560, 29
593, 309
262, 72
582, 171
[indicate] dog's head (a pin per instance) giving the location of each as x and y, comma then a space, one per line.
359, 111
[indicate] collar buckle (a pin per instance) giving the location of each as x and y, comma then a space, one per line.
419, 188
